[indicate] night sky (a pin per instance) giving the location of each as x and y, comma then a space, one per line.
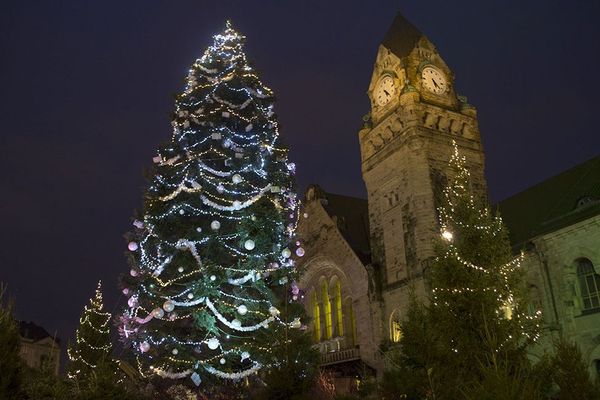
86, 94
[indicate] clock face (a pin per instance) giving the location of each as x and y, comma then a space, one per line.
433, 80
385, 90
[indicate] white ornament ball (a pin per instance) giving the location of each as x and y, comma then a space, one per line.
215, 225
294, 297
273, 311
132, 246
144, 347
158, 313
296, 324
181, 212
132, 302
237, 205
249, 244
299, 251
245, 355
133, 272
305, 215
175, 352
168, 306
220, 188
286, 253
236, 323
213, 343
213, 278
180, 269
190, 296
198, 229
236, 178
222, 361
242, 309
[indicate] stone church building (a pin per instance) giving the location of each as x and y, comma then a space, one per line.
363, 256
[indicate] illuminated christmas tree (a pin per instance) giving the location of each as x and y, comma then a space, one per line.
211, 255
477, 318
476, 279
92, 346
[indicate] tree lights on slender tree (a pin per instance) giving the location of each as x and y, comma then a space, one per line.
476, 281
477, 316
213, 249
93, 345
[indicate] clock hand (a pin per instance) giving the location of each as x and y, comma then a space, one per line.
435, 83
386, 93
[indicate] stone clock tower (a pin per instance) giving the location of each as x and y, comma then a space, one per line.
406, 144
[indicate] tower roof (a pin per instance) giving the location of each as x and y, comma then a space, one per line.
401, 37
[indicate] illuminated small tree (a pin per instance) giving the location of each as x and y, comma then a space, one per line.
211, 253
92, 343
476, 318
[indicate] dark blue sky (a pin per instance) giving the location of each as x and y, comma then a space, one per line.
86, 92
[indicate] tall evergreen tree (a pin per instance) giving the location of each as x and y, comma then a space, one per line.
93, 345
477, 314
213, 247
11, 369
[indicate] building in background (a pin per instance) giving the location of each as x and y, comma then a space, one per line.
38, 348
364, 257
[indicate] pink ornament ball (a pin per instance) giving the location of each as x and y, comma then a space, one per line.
133, 272
300, 252
132, 302
138, 224
132, 246
125, 291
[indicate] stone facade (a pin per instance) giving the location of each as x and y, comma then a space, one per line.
363, 258
38, 348
552, 262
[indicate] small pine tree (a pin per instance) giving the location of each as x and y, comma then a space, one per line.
476, 316
10, 342
570, 374
93, 345
294, 359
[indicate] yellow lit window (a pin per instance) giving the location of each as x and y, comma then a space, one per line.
352, 321
395, 331
326, 311
338, 309
316, 318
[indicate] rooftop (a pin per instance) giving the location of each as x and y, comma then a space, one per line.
31, 331
401, 37
565, 199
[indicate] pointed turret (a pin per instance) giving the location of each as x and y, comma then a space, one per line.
401, 37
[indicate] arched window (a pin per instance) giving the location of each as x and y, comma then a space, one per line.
326, 310
589, 283
316, 317
350, 322
395, 327
338, 309
535, 300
